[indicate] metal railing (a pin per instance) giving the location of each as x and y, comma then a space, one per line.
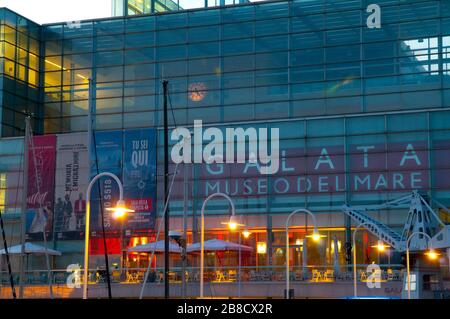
214, 274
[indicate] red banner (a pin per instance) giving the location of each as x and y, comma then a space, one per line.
41, 183
41, 171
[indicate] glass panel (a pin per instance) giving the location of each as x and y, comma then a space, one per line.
138, 40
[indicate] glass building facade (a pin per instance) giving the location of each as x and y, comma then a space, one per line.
137, 7
19, 73
363, 113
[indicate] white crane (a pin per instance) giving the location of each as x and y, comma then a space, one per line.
421, 218
423, 229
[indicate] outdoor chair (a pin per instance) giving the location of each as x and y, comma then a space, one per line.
219, 276
292, 276
151, 276
328, 275
197, 276
316, 275
100, 279
130, 278
139, 276
390, 275
341, 276
245, 275
281, 276
43, 277
298, 276
266, 276
123, 276
59, 278
306, 274
232, 275
30, 278
160, 277
253, 276
362, 276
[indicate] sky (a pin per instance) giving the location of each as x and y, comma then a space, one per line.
48, 11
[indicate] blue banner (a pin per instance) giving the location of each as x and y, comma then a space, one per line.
106, 157
139, 176
131, 155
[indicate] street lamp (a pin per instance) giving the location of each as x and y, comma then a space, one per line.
119, 213
233, 223
380, 246
180, 239
431, 254
315, 236
119, 210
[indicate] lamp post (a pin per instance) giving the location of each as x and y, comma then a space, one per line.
316, 237
431, 255
232, 224
119, 211
380, 247
246, 233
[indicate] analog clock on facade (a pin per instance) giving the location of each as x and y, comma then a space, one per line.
197, 92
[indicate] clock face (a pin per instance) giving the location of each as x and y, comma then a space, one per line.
197, 92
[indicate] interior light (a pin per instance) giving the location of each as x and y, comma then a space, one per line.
261, 247
246, 233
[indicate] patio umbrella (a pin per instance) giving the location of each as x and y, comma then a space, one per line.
336, 255
218, 245
31, 249
158, 246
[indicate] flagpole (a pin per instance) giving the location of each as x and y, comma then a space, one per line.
24, 204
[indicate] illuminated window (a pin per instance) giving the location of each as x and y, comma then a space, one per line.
32, 77
10, 51
413, 282
22, 56
21, 72
2, 191
261, 247
33, 61
9, 68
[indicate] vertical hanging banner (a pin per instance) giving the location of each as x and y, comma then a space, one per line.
131, 155
71, 183
106, 157
139, 177
41, 181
